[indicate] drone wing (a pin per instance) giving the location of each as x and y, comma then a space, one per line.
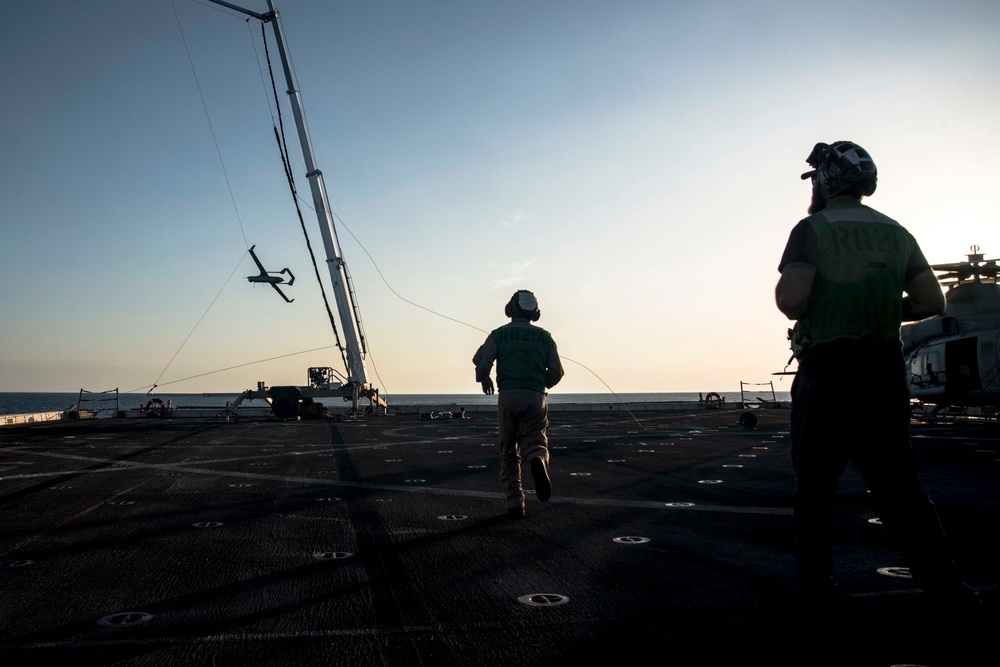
278, 290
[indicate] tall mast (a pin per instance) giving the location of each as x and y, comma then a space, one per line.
334, 257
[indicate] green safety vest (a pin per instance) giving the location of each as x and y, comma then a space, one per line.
522, 356
860, 275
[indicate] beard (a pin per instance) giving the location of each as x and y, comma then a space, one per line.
818, 202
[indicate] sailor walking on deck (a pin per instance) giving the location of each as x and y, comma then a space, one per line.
844, 273
527, 364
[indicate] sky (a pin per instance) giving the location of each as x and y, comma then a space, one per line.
635, 164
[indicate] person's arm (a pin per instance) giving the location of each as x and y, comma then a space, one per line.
798, 271
793, 289
923, 297
554, 369
484, 358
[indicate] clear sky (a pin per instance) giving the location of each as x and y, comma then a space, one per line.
635, 164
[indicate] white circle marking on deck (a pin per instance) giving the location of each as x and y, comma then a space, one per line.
543, 599
895, 571
124, 618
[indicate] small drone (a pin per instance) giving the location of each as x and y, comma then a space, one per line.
272, 278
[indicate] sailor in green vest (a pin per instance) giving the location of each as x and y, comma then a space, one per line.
849, 276
527, 364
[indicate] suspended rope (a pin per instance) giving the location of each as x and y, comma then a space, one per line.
190, 333
211, 128
229, 186
229, 368
472, 326
279, 137
282, 147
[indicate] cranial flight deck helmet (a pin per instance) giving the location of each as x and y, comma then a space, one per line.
523, 304
842, 166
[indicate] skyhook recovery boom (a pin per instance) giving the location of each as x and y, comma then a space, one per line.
357, 384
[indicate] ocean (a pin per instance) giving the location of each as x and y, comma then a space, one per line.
31, 402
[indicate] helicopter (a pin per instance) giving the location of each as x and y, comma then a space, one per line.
952, 359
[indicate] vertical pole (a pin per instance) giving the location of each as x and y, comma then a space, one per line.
334, 256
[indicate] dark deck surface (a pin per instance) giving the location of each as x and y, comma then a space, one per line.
176, 542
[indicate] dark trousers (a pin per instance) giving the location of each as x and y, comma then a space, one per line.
859, 413
523, 419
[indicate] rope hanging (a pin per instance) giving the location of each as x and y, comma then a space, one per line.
279, 137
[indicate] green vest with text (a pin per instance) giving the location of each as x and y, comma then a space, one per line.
860, 274
522, 356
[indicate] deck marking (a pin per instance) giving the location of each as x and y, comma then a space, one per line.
218, 638
181, 469
543, 599
124, 618
895, 571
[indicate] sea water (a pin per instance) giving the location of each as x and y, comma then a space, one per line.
31, 402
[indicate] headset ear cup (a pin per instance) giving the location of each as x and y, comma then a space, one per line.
535, 315
507, 310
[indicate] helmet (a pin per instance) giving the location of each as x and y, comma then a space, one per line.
523, 304
840, 167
